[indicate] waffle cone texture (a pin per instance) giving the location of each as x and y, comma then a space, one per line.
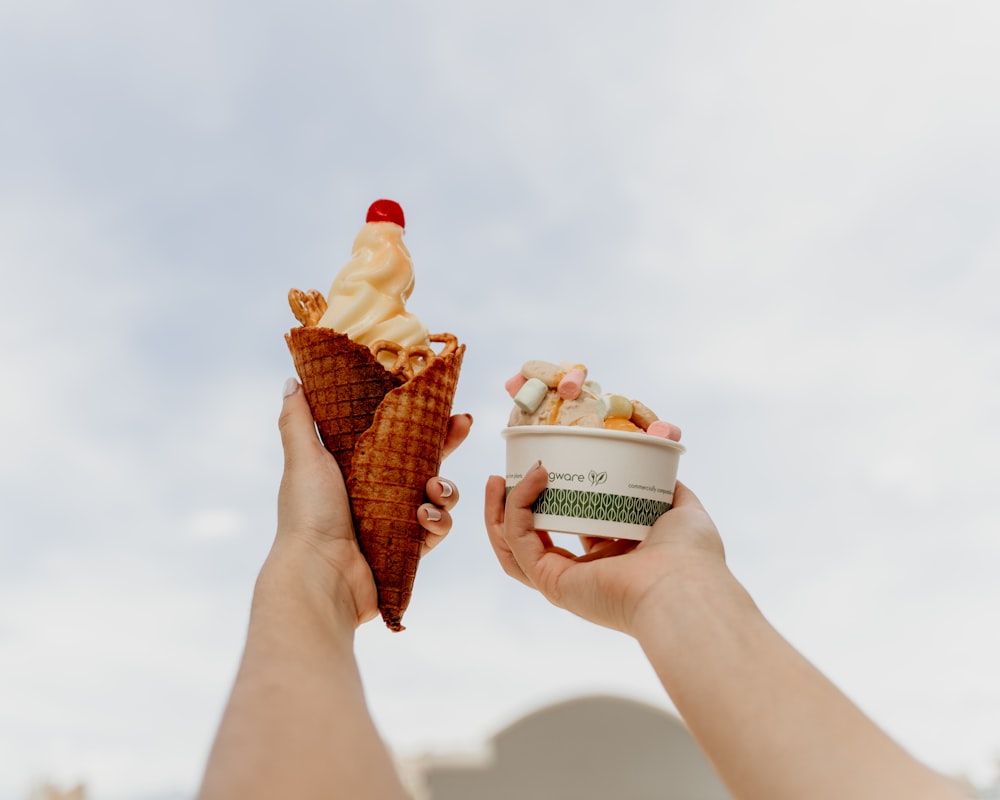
386, 433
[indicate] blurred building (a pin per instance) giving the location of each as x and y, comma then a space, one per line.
992, 792
589, 748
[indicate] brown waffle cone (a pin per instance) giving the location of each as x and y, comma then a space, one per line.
344, 385
392, 463
387, 434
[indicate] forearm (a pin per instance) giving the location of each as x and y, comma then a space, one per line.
297, 724
772, 724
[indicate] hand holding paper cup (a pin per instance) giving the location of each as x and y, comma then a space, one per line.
612, 464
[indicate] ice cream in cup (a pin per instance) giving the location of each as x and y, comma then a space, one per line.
612, 463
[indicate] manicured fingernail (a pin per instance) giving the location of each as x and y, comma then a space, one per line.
433, 514
447, 487
290, 388
534, 466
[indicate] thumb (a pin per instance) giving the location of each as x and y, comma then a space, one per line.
685, 498
298, 430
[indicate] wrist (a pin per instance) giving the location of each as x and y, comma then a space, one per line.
682, 600
296, 579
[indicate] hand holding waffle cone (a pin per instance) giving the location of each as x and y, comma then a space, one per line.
315, 526
380, 389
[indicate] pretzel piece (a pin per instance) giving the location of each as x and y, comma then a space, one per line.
411, 360
308, 307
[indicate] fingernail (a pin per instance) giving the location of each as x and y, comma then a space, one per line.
447, 487
534, 466
433, 514
471, 420
290, 388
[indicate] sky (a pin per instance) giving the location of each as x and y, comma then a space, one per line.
778, 224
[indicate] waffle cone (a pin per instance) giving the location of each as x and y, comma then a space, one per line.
387, 435
344, 385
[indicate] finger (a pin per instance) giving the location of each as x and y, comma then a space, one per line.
590, 542
688, 517
605, 548
458, 429
298, 430
437, 524
542, 564
685, 506
685, 498
442, 492
496, 489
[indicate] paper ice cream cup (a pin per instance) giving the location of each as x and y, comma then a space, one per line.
601, 482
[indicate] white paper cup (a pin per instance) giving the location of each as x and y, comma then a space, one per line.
601, 482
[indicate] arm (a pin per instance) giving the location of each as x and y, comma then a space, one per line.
773, 726
297, 724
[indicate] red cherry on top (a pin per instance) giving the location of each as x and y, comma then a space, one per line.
386, 211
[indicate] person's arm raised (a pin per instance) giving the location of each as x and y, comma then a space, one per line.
772, 725
297, 724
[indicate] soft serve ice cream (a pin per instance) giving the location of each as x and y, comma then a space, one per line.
367, 299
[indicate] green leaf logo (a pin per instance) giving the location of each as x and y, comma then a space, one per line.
597, 478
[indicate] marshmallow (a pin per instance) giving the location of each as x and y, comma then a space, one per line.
664, 430
529, 397
549, 374
572, 382
514, 384
614, 405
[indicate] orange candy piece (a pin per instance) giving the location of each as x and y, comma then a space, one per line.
620, 424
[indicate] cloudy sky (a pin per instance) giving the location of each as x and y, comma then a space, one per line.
776, 223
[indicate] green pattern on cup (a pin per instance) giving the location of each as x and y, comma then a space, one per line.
595, 505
